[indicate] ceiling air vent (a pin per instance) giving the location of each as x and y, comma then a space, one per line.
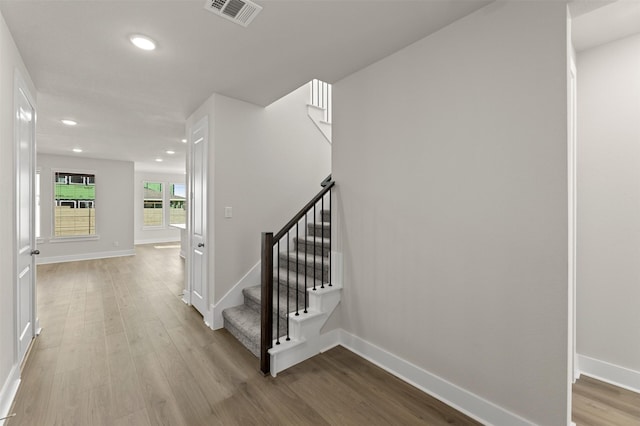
239, 11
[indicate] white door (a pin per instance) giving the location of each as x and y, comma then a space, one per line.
198, 285
25, 118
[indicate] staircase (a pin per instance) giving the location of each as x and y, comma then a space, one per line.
319, 108
303, 297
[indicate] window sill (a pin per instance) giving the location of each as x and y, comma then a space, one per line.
153, 228
74, 239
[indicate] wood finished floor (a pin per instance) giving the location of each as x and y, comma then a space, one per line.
596, 403
119, 347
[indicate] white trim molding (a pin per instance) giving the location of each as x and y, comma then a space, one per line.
234, 296
9, 391
461, 399
616, 375
84, 256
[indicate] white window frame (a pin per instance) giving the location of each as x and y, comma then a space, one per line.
169, 202
163, 225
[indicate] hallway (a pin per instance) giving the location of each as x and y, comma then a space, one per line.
119, 347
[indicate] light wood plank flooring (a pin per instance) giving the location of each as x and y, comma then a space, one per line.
119, 347
596, 403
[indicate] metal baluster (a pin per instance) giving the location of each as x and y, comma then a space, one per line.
288, 259
314, 237
278, 301
305, 261
297, 267
330, 235
321, 233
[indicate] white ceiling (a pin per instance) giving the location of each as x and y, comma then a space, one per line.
610, 22
132, 105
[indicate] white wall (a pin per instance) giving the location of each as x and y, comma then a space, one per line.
114, 208
450, 159
153, 235
608, 303
265, 163
10, 60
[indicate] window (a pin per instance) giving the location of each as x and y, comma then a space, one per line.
177, 197
74, 207
153, 202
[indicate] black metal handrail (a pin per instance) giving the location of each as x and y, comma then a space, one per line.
271, 243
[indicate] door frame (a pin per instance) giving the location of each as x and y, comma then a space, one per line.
187, 294
20, 86
573, 219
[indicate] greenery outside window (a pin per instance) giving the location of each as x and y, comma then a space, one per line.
74, 204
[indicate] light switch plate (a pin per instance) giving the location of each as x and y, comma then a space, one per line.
228, 212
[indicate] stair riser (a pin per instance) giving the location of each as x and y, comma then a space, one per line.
256, 306
315, 230
249, 342
254, 347
295, 260
292, 285
291, 281
312, 248
326, 216
309, 270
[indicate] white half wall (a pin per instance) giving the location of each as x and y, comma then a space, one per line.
608, 302
450, 160
264, 163
10, 61
165, 233
114, 208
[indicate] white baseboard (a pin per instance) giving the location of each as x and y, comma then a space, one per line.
613, 374
8, 392
462, 400
157, 240
207, 317
330, 339
84, 256
234, 296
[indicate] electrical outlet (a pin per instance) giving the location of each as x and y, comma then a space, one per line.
116, 244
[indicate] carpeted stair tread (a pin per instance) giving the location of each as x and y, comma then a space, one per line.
295, 279
312, 239
299, 260
244, 323
253, 299
313, 245
316, 229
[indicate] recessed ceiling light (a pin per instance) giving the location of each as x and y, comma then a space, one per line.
77, 150
142, 42
159, 160
170, 152
183, 141
68, 122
